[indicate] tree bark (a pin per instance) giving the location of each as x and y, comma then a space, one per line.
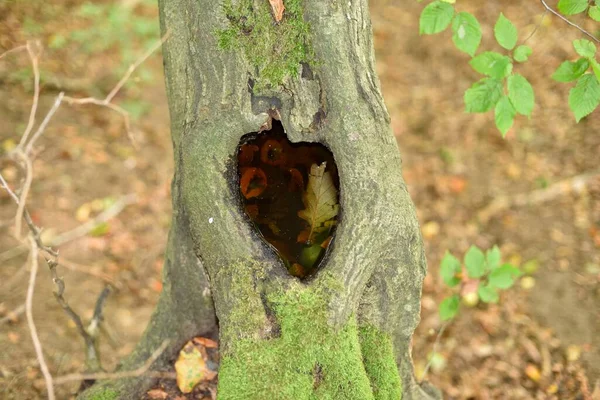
345, 333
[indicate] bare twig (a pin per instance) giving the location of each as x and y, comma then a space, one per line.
571, 185
8, 189
89, 335
32, 329
44, 123
556, 13
106, 102
34, 56
134, 66
94, 325
434, 350
24, 190
7, 52
142, 370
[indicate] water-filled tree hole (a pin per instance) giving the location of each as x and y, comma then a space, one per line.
290, 192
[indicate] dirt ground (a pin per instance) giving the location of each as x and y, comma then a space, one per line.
541, 341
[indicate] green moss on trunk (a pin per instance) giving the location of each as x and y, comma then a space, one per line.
274, 49
380, 364
307, 358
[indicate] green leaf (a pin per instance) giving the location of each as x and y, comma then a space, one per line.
504, 115
594, 13
483, 95
571, 7
522, 53
584, 48
487, 293
475, 262
435, 17
492, 64
466, 33
570, 71
492, 258
504, 277
585, 96
505, 33
521, 94
596, 68
449, 307
449, 268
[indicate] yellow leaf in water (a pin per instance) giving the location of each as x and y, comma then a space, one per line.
320, 200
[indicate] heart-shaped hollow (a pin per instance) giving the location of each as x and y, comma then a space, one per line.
290, 192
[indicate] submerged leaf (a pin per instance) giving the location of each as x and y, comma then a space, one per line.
253, 182
320, 200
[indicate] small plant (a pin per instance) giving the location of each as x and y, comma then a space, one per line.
510, 94
585, 96
480, 277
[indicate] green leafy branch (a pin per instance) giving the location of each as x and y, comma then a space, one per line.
507, 93
481, 279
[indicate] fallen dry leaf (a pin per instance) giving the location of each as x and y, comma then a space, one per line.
278, 9
191, 368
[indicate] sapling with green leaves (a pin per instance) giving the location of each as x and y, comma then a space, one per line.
501, 89
479, 277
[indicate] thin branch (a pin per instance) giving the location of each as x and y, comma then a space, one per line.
134, 66
94, 325
434, 350
59, 294
44, 123
556, 13
32, 329
24, 191
574, 184
8, 189
90, 335
106, 102
36, 90
142, 370
7, 52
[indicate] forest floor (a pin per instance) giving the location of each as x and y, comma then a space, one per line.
541, 341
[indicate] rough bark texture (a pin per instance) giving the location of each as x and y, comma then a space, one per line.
345, 333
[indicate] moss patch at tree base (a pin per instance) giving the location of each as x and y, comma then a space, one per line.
379, 362
309, 359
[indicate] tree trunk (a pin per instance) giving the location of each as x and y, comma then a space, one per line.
344, 333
